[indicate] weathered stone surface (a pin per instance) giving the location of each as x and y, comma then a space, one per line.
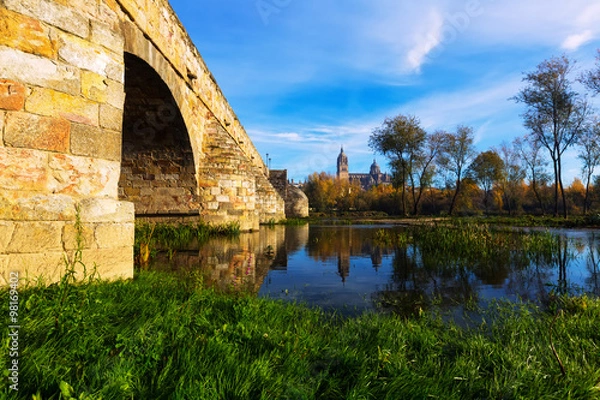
115, 93
66, 18
52, 103
92, 141
34, 237
38, 71
23, 169
109, 235
89, 56
78, 238
111, 117
106, 210
25, 33
93, 86
112, 263
12, 95
42, 267
40, 208
106, 36
83, 176
37, 132
6, 231
2, 118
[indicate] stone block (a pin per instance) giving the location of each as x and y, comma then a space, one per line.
23, 169
53, 103
61, 16
37, 132
105, 210
83, 176
12, 94
94, 87
25, 33
84, 235
112, 263
6, 231
2, 118
39, 71
111, 117
33, 268
111, 235
115, 93
91, 141
90, 56
35, 237
43, 207
105, 35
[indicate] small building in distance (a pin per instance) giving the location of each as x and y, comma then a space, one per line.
366, 181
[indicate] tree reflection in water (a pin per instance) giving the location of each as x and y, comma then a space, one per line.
397, 269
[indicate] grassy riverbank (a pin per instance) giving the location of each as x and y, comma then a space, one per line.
159, 336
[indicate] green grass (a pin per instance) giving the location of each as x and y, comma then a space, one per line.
163, 337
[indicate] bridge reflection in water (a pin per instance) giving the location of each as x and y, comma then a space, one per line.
347, 270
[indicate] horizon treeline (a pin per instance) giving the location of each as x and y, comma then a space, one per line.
442, 172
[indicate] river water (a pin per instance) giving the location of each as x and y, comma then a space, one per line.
345, 269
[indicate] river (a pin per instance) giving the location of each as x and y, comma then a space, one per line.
346, 269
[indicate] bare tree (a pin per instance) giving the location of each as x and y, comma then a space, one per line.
424, 168
589, 154
591, 79
555, 114
455, 155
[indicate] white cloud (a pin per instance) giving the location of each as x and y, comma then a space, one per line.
573, 42
425, 42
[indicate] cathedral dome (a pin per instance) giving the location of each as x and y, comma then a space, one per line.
375, 170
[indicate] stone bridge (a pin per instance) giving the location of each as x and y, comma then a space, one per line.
108, 112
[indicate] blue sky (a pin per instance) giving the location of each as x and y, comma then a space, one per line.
308, 76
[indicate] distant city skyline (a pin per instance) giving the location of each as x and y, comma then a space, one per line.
305, 77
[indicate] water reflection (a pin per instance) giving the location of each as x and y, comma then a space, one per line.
348, 270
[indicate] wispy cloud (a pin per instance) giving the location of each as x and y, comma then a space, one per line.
573, 42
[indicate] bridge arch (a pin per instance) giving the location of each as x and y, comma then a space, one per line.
158, 172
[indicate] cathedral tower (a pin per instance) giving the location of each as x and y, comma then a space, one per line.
342, 166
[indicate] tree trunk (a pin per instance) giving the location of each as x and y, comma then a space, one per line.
555, 186
587, 194
538, 196
453, 203
562, 189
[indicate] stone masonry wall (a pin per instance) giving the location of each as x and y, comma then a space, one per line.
296, 202
61, 102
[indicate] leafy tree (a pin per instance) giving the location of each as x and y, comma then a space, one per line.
589, 154
455, 154
400, 139
320, 190
487, 169
555, 114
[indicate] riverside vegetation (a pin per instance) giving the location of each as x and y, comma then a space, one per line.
164, 335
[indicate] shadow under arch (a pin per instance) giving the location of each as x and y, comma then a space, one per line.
158, 172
